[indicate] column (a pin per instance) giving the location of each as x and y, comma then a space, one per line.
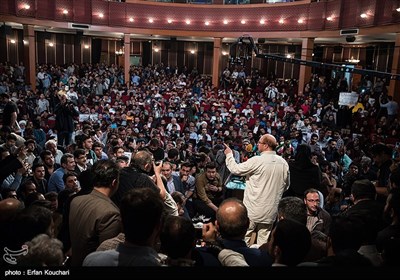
127, 56
307, 48
394, 86
216, 59
29, 56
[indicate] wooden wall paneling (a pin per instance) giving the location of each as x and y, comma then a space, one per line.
77, 50
3, 48
40, 47
86, 52
12, 49
51, 50
60, 49
173, 56
180, 58
69, 48
20, 42
164, 56
200, 57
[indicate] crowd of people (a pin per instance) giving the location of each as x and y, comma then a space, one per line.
140, 173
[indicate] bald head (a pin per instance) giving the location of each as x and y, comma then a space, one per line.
232, 220
270, 141
9, 207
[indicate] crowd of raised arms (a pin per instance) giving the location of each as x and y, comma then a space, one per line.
96, 172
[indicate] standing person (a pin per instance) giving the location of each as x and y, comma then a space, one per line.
65, 113
10, 111
267, 177
93, 217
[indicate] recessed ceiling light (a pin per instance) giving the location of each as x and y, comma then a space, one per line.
225, 21
151, 20
243, 21
169, 20
131, 19
262, 21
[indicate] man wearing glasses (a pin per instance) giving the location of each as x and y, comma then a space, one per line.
267, 177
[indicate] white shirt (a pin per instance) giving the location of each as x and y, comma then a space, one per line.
267, 177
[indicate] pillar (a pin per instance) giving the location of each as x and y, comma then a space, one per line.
216, 59
394, 86
127, 55
307, 48
29, 56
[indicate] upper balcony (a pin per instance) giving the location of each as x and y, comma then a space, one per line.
296, 19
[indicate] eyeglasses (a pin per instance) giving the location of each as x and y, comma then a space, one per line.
313, 200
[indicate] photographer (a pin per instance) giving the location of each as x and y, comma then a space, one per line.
65, 112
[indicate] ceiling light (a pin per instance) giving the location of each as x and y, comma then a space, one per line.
169, 20
65, 12
188, 21
86, 46
364, 15
281, 21
225, 21
207, 23
51, 44
300, 20
192, 51
12, 41
101, 15
329, 18
243, 21
27, 7
156, 49
262, 21
131, 19
224, 53
151, 20
398, 9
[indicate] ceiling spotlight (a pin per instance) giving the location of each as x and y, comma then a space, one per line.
207, 23
300, 20
51, 45
188, 21
262, 21
27, 7
12, 41
169, 20
131, 19
101, 15
65, 12
281, 21
364, 15
329, 18
243, 21
86, 46
151, 20
225, 21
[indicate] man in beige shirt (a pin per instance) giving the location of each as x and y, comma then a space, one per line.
267, 177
